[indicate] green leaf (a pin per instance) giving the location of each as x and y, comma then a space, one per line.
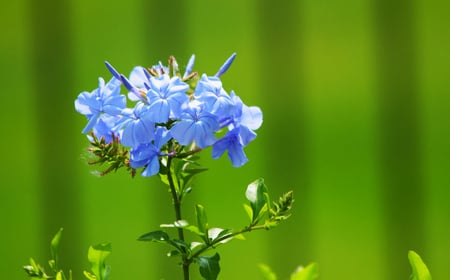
162, 237
89, 275
419, 269
96, 256
184, 225
249, 211
173, 253
218, 233
60, 276
202, 221
256, 195
35, 270
155, 236
180, 245
54, 250
267, 272
194, 229
309, 272
209, 267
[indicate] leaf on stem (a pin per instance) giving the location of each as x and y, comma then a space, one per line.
184, 225
96, 256
216, 234
202, 221
256, 194
54, 250
209, 266
249, 211
155, 236
162, 237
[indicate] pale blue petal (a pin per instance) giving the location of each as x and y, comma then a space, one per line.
203, 136
143, 133
152, 168
91, 123
245, 135
162, 136
115, 104
237, 155
128, 135
159, 111
138, 77
183, 132
82, 104
219, 148
251, 117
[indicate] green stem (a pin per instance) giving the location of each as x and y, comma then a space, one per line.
176, 197
189, 153
225, 237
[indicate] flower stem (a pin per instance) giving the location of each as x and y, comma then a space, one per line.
223, 238
176, 197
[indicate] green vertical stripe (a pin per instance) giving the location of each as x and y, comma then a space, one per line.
434, 61
20, 235
51, 78
400, 141
165, 29
286, 142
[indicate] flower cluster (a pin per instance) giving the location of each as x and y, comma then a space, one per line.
170, 114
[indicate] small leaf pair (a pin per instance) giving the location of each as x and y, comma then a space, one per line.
258, 197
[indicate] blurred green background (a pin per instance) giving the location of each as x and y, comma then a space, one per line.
356, 102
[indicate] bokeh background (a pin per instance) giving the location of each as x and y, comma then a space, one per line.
356, 102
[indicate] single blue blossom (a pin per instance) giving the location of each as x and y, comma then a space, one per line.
105, 128
147, 154
106, 99
209, 90
196, 125
241, 132
166, 96
137, 126
250, 117
234, 142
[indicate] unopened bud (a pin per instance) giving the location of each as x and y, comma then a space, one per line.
226, 65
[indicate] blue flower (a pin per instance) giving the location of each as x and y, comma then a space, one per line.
250, 117
106, 99
137, 126
241, 132
147, 154
234, 141
209, 90
105, 128
166, 96
196, 125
